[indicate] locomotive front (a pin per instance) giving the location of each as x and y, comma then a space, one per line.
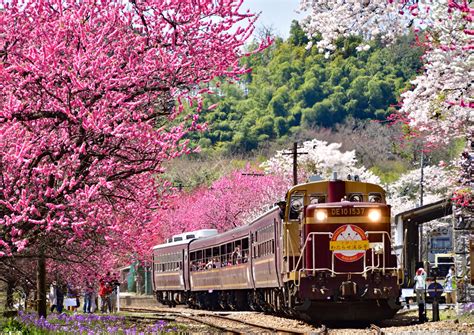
341, 267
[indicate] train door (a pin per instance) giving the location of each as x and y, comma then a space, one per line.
292, 230
185, 269
153, 267
251, 256
276, 243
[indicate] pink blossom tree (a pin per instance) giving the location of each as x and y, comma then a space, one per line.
231, 201
90, 95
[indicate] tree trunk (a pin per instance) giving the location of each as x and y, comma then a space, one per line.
9, 301
41, 285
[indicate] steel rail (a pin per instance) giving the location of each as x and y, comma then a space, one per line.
203, 318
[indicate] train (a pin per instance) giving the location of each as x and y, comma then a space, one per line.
323, 254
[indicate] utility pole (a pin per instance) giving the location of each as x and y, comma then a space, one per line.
420, 230
421, 178
295, 154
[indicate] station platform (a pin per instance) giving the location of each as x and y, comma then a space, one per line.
137, 300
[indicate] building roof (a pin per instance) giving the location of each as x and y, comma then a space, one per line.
427, 212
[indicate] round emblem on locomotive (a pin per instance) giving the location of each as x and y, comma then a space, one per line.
349, 243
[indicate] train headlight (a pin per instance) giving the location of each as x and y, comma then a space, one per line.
375, 215
321, 215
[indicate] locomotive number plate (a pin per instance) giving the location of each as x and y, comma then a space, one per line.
347, 211
349, 245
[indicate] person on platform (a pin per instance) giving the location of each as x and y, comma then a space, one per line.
105, 290
420, 290
88, 290
60, 291
450, 287
53, 296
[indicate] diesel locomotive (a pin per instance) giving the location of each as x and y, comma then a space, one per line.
323, 254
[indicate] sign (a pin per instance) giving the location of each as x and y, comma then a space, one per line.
347, 211
70, 302
349, 243
435, 290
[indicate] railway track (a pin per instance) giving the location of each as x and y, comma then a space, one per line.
220, 321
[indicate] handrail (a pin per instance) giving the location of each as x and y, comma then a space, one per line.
375, 263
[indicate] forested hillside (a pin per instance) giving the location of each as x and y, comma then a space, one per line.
291, 88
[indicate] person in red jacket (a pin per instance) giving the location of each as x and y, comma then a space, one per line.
105, 290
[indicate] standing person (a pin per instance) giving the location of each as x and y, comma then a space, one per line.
114, 294
420, 289
450, 287
104, 292
53, 297
87, 298
60, 289
94, 302
72, 299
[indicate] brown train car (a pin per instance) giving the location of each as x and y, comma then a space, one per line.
238, 269
169, 269
170, 273
219, 271
265, 234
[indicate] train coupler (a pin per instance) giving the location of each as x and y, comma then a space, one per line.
348, 289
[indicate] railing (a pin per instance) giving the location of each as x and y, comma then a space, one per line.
310, 240
288, 244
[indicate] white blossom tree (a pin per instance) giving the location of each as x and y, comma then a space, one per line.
440, 105
404, 194
320, 158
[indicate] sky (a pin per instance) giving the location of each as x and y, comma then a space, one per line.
277, 14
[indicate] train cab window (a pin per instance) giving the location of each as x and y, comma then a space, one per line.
317, 198
296, 205
375, 197
356, 197
188, 237
178, 238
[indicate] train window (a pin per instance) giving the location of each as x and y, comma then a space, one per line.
356, 197
188, 237
317, 198
178, 238
375, 197
273, 247
296, 205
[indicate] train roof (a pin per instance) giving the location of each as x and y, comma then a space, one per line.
233, 234
186, 237
351, 185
